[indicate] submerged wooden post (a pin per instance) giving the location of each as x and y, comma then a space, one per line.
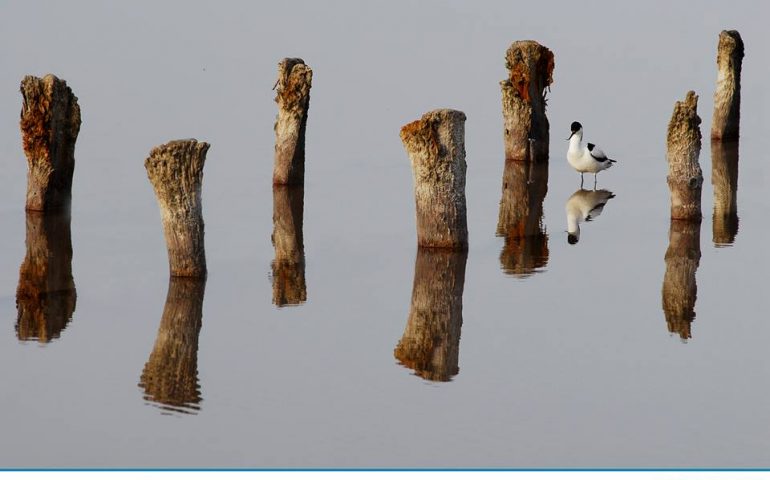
520, 219
289, 264
431, 342
50, 123
46, 295
725, 124
170, 376
685, 178
530, 72
724, 178
680, 289
436, 148
176, 173
293, 98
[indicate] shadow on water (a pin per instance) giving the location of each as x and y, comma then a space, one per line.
520, 219
430, 344
170, 376
46, 296
724, 178
288, 267
680, 289
584, 206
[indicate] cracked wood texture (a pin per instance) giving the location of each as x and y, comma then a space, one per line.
175, 170
50, 123
680, 289
293, 98
288, 267
530, 72
725, 124
436, 148
430, 344
683, 144
724, 178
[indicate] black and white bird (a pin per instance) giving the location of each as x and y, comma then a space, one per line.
585, 158
584, 206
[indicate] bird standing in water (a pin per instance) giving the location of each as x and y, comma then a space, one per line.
585, 158
584, 206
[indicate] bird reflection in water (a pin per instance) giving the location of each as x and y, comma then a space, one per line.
584, 206
430, 344
679, 287
724, 177
46, 296
520, 219
170, 376
288, 267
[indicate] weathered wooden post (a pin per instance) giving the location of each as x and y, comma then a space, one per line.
293, 98
289, 264
685, 178
520, 219
530, 72
724, 178
680, 289
170, 376
431, 342
46, 295
436, 148
725, 124
50, 123
176, 173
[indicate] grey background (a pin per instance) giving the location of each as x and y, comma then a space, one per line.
571, 367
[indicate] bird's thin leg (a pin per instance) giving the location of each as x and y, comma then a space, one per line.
581, 179
594, 181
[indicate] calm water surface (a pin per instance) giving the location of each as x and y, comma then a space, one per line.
642, 345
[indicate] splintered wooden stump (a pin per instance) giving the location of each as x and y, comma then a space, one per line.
725, 124
46, 296
679, 287
685, 178
170, 376
50, 123
289, 264
176, 173
431, 342
724, 178
520, 220
530, 72
293, 98
436, 148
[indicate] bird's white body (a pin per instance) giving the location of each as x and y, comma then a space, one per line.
584, 206
585, 159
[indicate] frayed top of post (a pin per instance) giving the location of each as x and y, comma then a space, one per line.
292, 89
685, 119
519, 76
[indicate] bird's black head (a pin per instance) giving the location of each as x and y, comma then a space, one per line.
575, 126
572, 238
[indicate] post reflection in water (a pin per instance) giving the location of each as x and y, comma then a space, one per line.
520, 220
724, 177
680, 289
46, 296
288, 267
170, 376
584, 205
430, 344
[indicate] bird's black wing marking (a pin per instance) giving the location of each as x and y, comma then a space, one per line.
597, 153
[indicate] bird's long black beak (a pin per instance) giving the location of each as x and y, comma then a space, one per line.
570, 135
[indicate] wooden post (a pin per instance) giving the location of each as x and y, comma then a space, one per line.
685, 178
176, 173
436, 148
170, 376
293, 98
530, 72
431, 342
46, 295
289, 264
520, 219
50, 123
724, 178
680, 289
725, 124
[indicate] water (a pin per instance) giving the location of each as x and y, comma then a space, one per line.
559, 355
